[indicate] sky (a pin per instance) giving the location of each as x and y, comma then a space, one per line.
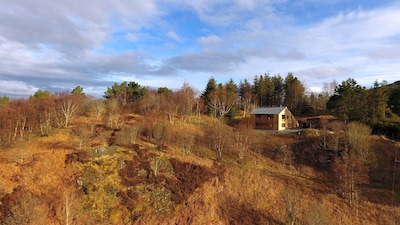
58, 45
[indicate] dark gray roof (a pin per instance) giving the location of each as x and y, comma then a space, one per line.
268, 110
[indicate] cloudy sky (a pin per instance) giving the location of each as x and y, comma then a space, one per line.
58, 45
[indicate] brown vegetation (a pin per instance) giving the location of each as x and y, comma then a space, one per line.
112, 166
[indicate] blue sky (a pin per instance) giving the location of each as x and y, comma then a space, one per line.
58, 45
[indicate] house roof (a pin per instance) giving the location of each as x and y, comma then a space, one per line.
268, 110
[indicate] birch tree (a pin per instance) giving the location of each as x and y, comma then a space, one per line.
243, 138
219, 135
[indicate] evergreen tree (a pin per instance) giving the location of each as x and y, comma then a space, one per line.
294, 93
348, 101
208, 96
78, 90
377, 102
279, 90
264, 90
5, 99
40, 94
394, 99
126, 92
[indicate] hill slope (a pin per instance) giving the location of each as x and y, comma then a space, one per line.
156, 172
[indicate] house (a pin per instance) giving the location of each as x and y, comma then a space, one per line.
273, 118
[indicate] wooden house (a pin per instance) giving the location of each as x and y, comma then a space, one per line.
273, 118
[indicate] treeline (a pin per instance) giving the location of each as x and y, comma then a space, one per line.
218, 99
40, 114
266, 91
378, 106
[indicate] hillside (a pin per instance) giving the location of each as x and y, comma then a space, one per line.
168, 173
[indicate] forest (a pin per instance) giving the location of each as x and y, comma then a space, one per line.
143, 155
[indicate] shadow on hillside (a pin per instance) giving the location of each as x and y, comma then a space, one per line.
236, 213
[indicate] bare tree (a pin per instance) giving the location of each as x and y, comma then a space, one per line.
243, 137
246, 96
45, 123
291, 201
225, 100
67, 107
353, 165
186, 141
69, 201
99, 107
219, 134
113, 117
185, 101
84, 133
129, 134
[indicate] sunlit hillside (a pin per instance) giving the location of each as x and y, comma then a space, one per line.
145, 156
155, 170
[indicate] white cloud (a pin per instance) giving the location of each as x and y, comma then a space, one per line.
16, 88
225, 13
174, 36
69, 43
131, 37
359, 31
211, 40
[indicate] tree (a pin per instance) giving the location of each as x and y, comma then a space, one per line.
279, 90
113, 117
70, 199
67, 107
354, 160
163, 90
3, 100
40, 94
246, 96
99, 107
313, 102
84, 132
225, 98
264, 89
328, 89
394, 100
294, 93
292, 209
126, 92
78, 90
244, 139
208, 97
185, 101
219, 135
348, 101
377, 102
45, 113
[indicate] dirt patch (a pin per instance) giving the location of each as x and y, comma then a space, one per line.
188, 177
78, 156
176, 181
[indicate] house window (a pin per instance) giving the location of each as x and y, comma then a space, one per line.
264, 116
283, 117
283, 124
